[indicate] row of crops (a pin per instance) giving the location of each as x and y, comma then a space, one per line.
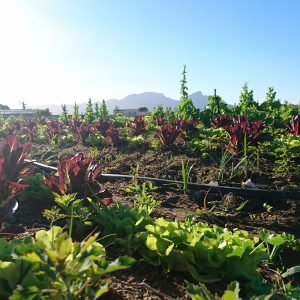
68, 259
228, 136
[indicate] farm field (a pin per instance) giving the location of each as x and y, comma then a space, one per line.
217, 217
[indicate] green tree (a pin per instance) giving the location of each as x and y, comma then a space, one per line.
43, 113
4, 106
103, 111
97, 111
89, 111
75, 114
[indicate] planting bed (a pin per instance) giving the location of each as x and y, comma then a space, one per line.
144, 281
217, 209
177, 236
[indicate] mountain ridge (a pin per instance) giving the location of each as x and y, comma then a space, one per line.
145, 99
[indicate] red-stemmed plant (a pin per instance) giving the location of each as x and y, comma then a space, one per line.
54, 128
112, 136
168, 134
13, 154
294, 125
102, 125
77, 174
31, 130
238, 129
159, 121
138, 125
8, 189
83, 131
190, 126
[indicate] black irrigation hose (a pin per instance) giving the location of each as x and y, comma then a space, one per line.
244, 192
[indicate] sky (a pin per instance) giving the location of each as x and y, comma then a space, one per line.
62, 51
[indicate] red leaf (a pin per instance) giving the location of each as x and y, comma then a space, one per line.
13, 153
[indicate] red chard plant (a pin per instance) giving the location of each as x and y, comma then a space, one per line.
77, 174
30, 130
83, 131
223, 120
8, 189
159, 121
138, 125
189, 125
112, 136
103, 125
294, 125
54, 128
74, 124
238, 128
168, 134
13, 154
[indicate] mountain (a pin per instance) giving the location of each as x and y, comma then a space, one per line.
199, 100
147, 99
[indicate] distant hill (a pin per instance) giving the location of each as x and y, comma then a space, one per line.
147, 99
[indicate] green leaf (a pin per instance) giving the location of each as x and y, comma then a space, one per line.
169, 249
232, 292
264, 235
100, 292
291, 271
89, 242
230, 295
151, 242
140, 221
28, 293
276, 241
65, 249
10, 272
31, 257
241, 206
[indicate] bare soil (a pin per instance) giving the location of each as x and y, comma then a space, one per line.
144, 281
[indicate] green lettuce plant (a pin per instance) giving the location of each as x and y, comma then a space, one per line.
52, 266
207, 253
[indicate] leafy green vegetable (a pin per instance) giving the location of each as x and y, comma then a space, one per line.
52, 266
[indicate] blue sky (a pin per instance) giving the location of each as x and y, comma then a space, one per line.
61, 51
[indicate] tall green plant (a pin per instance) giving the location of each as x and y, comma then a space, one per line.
103, 111
185, 170
271, 109
158, 111
89, 111
247, 105
64, 115
186, 108
97, 111
183, 85
75, 114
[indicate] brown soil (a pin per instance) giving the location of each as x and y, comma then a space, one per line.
143, 281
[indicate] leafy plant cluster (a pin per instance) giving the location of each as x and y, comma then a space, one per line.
239, 130
52, 266
12, 166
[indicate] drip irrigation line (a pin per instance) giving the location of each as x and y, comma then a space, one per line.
243, 192
41, 166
